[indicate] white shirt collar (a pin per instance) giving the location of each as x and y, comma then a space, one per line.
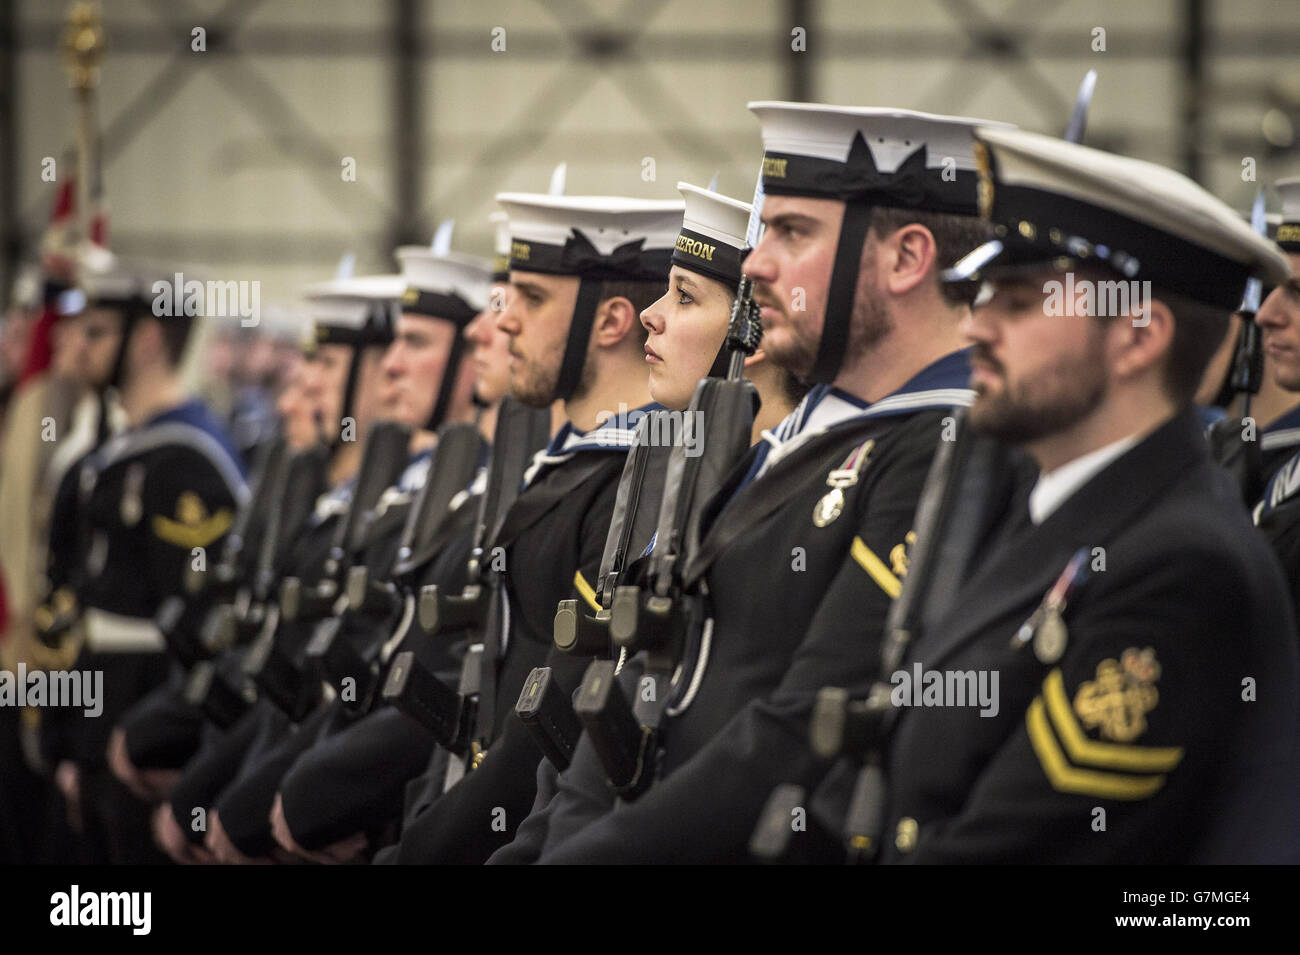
1056, 486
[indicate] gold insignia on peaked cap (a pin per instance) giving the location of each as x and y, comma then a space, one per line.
984, 188
1117, 701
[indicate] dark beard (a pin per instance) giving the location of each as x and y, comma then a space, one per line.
871, 321
797, 357
1019, 415
531, 390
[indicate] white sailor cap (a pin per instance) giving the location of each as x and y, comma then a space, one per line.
450, 285
282, 324
1288, 230
712, 237
597, 237
882, 157
354, 311
104, 280
1063, 205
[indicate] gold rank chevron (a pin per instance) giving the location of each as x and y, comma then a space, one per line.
585, 590
875, 568
1078, 767
189, 536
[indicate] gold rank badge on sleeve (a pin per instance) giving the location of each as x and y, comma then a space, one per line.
1114, 705
192, 526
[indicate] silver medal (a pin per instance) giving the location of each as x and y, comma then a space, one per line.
1051, 637
829, 507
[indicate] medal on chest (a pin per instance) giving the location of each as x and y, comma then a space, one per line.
845, 476
1046, 628
131, 508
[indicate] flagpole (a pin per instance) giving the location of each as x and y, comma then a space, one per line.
83, 48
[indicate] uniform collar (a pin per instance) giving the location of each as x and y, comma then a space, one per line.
415, 472
944, 383
1280, 488
1282, 433
196, 414
1210, 415
1058, 485
615, 433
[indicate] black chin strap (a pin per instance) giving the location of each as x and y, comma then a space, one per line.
843, 289
377, 330
349, 394
575, 349
442, 403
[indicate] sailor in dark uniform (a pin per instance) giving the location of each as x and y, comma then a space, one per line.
351, 327
426, 385
153, 505
688, 329
423, 385
353, 783
582, 270
863, 209
1134, 637
1252, 434
1278, 513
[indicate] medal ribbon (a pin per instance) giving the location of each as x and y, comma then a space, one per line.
1074, 574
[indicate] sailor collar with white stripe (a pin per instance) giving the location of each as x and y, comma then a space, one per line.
188, 424
1282, 433
615, 433
416, 472
408, 483
941, 384
334, 501
1281, 487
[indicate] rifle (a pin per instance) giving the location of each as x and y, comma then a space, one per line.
654, 613
543, 708
524, 430
967, 481
1243, 458
451, 715
270, 664
219, 687
633, 523
370, 598
184, 620
384, 458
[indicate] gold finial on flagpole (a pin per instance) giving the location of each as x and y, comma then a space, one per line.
83, 45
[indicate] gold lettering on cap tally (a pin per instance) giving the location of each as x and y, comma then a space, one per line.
520, 251
774, 168
701, 250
